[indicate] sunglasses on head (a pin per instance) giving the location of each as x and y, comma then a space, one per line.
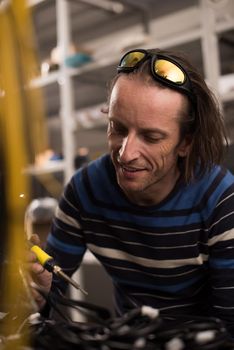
163, 69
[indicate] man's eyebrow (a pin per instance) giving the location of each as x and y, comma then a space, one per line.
142, 130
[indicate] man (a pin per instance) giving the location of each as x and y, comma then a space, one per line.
158, 212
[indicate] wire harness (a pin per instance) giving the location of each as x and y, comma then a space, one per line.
140, 328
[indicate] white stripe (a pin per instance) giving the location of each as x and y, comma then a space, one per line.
224, 307
150, 274
140, 231
120, 255
218, 221
68, 232
69, 203
59, 214
230, 195
221, 288
143, 245
154, 233
225, 236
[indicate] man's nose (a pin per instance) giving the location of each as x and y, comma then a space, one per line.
129, 149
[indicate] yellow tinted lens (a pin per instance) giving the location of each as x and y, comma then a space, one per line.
131, 59
169, 71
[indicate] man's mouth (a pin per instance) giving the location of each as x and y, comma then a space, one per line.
131, 169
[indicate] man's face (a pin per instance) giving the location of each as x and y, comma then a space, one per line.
144, 138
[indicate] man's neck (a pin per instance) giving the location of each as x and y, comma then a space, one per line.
151, 197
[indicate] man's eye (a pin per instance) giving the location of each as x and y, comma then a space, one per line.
152, 139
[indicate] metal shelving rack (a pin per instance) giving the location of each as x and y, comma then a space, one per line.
65, 84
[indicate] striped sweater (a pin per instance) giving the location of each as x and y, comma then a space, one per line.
177, 256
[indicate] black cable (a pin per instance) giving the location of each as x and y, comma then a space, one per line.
99, 313
141, 328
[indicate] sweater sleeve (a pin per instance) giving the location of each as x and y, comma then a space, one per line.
65, 242
221, 262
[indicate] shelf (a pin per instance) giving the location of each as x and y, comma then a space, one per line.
226, 87
42, 81
49, 167
35, 2
54, 77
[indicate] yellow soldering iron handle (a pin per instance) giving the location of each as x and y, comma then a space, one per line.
41, 255
49, 264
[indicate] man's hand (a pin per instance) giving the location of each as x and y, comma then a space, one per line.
39, 275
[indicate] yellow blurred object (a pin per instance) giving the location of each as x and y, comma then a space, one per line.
22, 136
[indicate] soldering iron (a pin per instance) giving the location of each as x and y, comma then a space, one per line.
50, 265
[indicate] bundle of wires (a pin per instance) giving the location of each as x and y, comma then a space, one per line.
140, 328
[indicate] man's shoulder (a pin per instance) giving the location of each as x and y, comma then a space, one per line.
221, 175
216, 181
205, 192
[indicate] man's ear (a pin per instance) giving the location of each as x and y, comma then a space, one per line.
185, 146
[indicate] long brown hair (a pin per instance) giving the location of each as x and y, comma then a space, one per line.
204, 123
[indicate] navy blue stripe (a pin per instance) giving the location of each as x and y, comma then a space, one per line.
163, 288
66, 248
222, 263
